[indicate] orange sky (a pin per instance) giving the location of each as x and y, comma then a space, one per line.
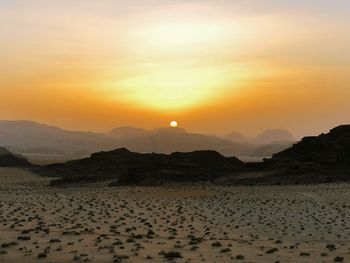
214, 66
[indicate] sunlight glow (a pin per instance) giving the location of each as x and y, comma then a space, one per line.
173, 69
178, 64
187, 34
173, 88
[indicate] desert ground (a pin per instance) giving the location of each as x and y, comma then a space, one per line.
198, 223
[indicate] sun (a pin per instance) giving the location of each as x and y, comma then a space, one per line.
173, 124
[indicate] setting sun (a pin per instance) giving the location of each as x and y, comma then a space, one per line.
173, 124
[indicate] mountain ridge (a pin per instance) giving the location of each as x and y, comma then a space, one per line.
28, 138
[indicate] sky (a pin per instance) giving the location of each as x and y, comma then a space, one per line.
215, 66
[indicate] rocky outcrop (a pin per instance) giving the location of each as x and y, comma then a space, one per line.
316, 159
8, 159
128, 168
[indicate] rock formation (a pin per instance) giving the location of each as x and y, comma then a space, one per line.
316, 159
145, 169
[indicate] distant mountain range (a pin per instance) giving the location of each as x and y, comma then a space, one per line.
236, 137
274, 137
31, 138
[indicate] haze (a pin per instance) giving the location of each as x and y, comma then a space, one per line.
214, 66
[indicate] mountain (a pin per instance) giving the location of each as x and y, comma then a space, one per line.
27, 136
168, 142
277, 136
8, 159
31, 138
236, 137
42, 142
131, 133
127, 167
265, 144
128, 132
169, 129
268, 150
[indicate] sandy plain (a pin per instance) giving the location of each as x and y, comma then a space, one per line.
198, 223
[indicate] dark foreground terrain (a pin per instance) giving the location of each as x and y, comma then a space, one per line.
129, 168
321, 159
197, 223
8, 159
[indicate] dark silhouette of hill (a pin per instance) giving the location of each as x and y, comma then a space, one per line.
8, 159
4, 151
145, 169
325, 154
277, 136
317, 159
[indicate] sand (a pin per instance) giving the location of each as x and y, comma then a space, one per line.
199, 223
